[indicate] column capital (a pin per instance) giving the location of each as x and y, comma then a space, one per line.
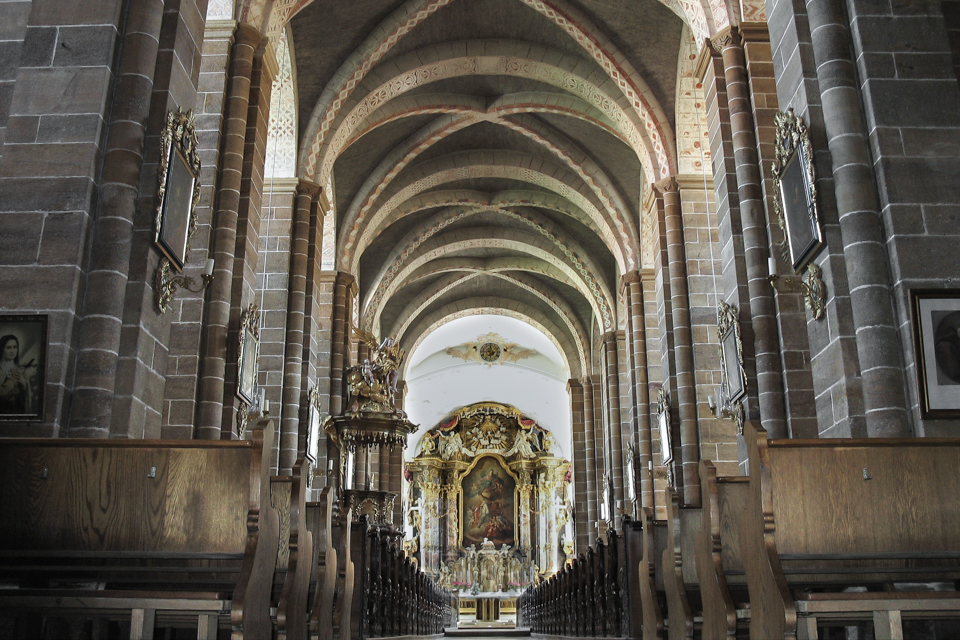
345, 279
628, 278
247, 34
726, 38
667, 185
574, 384
308, 188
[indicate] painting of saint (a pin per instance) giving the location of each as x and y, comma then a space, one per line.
489, 504
22, 355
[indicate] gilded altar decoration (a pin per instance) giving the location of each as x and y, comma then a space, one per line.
492, 491
490, 349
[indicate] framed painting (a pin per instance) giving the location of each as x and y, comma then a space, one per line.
179, 188
795, 191
936, 331
488, 504
23, 359
248, 354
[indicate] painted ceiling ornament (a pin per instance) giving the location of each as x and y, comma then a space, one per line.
490, 349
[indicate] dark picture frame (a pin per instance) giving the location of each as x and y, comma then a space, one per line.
935, 315
795, 191
179, 188
23, 361
248, 354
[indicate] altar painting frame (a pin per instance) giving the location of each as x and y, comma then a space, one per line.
465, 477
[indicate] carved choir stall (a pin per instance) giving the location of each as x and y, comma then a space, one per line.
489, 502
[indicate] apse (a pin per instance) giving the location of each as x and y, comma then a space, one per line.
488, 358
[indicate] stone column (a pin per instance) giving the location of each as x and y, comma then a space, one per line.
637, 343
613, 445
340, 340
599, 444
683, 341
581, 494
864, 246
307, 193
213, 366
112, 238
755, 244
590, 460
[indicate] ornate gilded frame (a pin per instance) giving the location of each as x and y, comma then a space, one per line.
178, 188
795, 191
248, 353
663, 423
516, 497
733, 375
313, 422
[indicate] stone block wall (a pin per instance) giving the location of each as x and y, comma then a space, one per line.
911, 101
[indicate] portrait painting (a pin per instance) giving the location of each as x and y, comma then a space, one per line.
23, 351
176, 209
936, 324
489, 504
247, 378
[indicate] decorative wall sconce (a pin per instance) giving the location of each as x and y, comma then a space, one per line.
811, 287
166, 284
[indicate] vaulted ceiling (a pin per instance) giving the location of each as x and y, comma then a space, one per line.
487, 155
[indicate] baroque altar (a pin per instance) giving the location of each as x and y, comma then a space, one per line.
488, 496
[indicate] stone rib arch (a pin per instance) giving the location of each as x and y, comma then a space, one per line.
495, 306
423, 300
509, 104
505, 58
484, 164
515, 263
444, 244
399, 158
377, 46
377, 297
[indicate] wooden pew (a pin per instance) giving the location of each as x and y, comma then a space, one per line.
168, 526
719, 568
295, 554
654, 543
824, 515
680, 581
597, 595
324, 573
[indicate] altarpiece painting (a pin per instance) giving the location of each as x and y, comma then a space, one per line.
489, 494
